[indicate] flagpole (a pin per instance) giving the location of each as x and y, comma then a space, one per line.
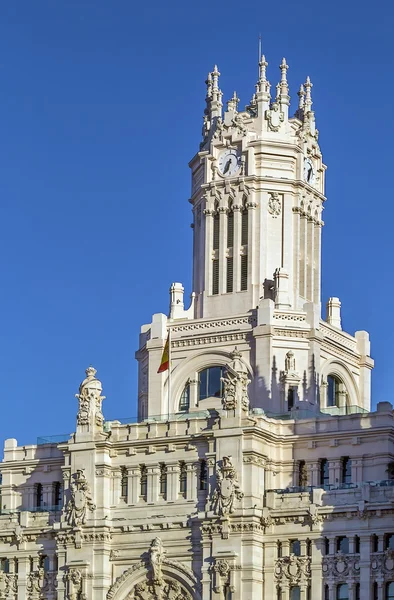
169, 372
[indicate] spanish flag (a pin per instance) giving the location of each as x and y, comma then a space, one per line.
165, 359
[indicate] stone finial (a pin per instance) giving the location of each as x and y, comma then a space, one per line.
308, 95
301, 103
282, 89
208, 83
216, 97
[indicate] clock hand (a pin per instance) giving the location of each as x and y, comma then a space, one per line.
228, 165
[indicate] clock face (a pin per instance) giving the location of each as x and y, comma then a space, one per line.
229, 162
309, 171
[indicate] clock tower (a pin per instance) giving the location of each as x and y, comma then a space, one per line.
257, 197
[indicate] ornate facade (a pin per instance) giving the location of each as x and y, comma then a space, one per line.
255, 469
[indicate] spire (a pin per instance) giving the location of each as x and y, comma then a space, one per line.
209, 87
216, 103
262, 84
308, 97
301, 103
283, 88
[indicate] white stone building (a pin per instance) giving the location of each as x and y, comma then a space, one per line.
255, 469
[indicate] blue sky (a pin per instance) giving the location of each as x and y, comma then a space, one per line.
101, 107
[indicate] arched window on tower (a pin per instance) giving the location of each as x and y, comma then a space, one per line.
335, 387
184, 402
210, 383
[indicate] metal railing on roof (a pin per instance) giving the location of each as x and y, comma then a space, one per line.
297, 489
53, 439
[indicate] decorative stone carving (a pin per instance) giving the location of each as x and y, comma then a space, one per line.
235, 383
227, 489
35, 583
8, 585
294, 569
274, 204
90, 401
275, 117
80, 501
382, 564
73, 580
340, 565
221, 571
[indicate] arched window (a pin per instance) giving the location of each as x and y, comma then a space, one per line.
333, 386
295, 547
342, 592
184, 402
390, 590
210, 384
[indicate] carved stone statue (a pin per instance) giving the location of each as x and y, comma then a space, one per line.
90, 401
290, 366
227, 489
235, 383
80, 501
156, 557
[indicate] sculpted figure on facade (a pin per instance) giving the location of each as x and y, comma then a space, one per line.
156, 557
235, 383
274, 204
80, 501
90, 401
227, 489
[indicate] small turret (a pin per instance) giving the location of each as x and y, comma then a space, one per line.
216, 102
283, 97
262, 97
308, 96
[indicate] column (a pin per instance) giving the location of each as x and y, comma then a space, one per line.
365, 567
173, 482
23, 573
352, 590
116, 490
285, 591
331, 591
270, 557
303, 591
332, 544
237, 247
252, 273
153, 473
317, 263
310, 257
61, 561
351, 544
211, 481
208, 249
314, 473
191, 486
323, 394
316, 569
223, 210
193, 390
133, 485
